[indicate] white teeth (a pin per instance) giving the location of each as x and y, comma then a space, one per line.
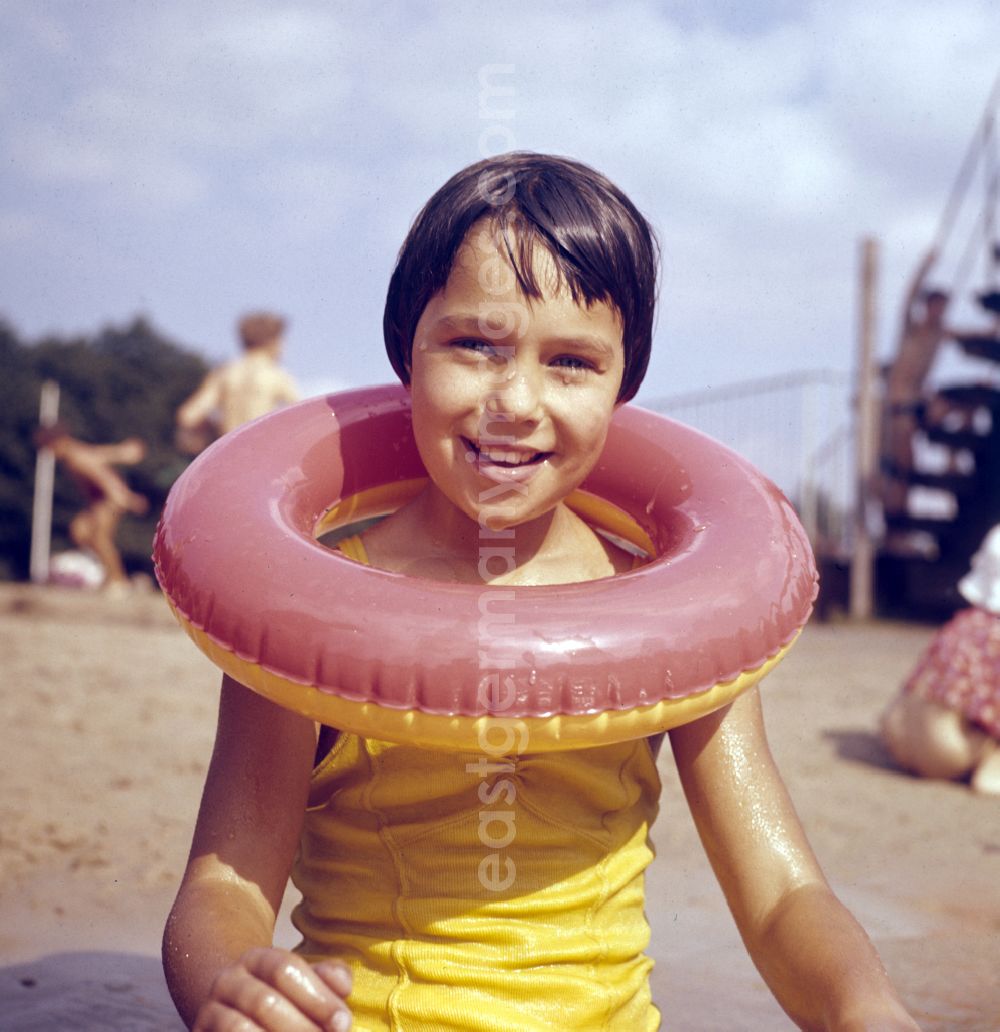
508, 458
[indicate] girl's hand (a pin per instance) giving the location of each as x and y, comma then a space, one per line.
275, 990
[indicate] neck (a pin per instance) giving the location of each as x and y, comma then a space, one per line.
461, 539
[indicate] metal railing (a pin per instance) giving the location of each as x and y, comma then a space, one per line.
798, 429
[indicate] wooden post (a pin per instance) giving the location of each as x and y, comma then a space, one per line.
45, 470
866, 437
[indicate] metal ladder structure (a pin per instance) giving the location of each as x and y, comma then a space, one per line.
959, 424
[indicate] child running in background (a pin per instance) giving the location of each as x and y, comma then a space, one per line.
945, 723
241, 390
523, 297
107, 496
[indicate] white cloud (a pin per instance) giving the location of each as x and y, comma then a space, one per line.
198, 155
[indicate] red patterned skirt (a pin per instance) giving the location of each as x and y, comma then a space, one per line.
961, 668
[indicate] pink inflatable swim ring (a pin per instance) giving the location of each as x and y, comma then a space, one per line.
730, 584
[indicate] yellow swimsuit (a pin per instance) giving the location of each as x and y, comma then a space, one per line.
475, 893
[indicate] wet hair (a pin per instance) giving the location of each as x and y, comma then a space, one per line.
259, 329
603, 248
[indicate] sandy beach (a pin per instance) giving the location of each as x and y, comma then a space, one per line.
109, 723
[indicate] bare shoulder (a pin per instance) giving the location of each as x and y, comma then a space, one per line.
586, 555
401, 544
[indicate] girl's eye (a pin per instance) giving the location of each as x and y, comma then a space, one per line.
571, 362
482, 347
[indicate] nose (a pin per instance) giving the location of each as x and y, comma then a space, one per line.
519, 396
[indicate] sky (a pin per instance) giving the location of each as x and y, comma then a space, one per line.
187, 162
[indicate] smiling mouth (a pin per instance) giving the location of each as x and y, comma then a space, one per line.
505, 458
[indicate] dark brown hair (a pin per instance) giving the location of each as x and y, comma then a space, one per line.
603, 248
258, 329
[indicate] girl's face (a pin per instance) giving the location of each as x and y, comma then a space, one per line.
512, 396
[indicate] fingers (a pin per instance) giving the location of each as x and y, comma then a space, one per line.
276, 991
336, 975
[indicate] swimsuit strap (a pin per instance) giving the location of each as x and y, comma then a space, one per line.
353, 547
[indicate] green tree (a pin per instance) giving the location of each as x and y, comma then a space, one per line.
19, 391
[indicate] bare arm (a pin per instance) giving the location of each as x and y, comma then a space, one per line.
289, 392
128, 452
814, 956
217, 951
200, 406
88, 463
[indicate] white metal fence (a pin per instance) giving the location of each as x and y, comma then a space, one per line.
798, 429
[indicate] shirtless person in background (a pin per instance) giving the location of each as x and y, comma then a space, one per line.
241, 390
107, 497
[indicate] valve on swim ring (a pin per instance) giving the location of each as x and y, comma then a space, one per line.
455, 666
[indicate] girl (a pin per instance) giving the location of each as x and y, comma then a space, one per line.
520, 316
945, 723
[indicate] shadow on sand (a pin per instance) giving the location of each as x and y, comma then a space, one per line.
860, 746
87, 992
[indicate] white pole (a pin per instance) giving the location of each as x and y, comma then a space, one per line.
45, 471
